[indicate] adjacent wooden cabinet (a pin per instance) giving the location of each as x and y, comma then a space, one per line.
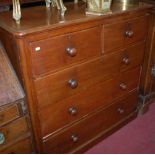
15, 135
81, 74
148, 76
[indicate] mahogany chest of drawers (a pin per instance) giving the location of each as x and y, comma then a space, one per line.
81, 73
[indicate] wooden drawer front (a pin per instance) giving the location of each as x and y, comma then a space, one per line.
54, 87
58, 115
51, 54
14, 130
20, 147
85, 130
118, 35
8, 114
132, 56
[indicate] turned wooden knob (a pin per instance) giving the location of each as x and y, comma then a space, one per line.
123, 86
74, 138
73, 83
129, 34
71, 51
72, 111
126, 60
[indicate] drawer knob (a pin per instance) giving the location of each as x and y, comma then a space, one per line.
129, 34
71, 51
123, 86
73, 83
126, 60
120, 110
72, 111
2, 138
74, 138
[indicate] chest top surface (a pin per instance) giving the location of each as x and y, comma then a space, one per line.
40, 18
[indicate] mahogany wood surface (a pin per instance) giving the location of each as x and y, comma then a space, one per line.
105, 68
14, 131
23, 146
8, 114
42, 62
39, 18
117, 37
91, 99
86, 130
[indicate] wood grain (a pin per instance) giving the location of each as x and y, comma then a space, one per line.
102, 120
10, 87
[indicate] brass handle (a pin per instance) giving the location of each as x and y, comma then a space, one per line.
123, 86
120, 110
129, 34
74, 138
71, 51
2, 138
126, 60
72, 111
73, 83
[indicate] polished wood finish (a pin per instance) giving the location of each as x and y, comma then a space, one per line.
70, 139
93, 98
23, 146
14, 131
47, 58
101, 69
77, 69
117, 34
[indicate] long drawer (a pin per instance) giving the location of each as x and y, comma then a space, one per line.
8, 114
61, 51
60, 114
55, 87
88, 128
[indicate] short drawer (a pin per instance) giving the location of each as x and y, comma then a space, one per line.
55, 87
60, 51
8, 114
13, 131
78, 134
21, 147
58, 115
118, 35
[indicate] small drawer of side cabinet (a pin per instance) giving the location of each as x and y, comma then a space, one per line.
13, 131
77, 135
8, 114
23, 146
60, 51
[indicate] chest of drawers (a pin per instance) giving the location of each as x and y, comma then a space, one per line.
81, 74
